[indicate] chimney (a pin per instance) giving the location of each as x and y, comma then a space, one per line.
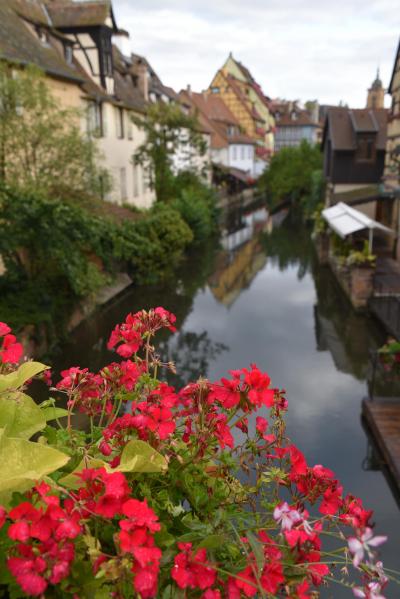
143, 80
189, 90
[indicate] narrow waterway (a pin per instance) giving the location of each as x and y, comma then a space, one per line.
261, 297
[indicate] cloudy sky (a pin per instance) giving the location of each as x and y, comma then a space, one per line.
296, 49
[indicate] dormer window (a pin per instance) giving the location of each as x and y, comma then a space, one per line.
68, 53
43, 36
215, 90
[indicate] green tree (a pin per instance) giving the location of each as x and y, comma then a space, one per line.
168, 132
290, 174
42, 147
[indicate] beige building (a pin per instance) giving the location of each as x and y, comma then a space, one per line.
76, 45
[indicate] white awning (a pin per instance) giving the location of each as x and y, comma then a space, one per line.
344, 220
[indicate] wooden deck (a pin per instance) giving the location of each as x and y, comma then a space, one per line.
383, 418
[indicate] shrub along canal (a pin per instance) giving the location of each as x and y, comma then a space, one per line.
260, 296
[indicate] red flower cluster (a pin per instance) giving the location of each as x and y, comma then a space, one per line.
191, 570
129, 336
85, 390
10, 350
270, 577
44, 552
103, 493
136, 538
248, 389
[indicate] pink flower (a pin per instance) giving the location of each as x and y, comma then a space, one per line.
371, 591
363, 545
286, 516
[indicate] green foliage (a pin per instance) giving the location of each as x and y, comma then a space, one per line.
50, 242
320, 225
290, 173
152, 247
361, 257
168, 132
42, 147
196, 203
313, 199
56, 253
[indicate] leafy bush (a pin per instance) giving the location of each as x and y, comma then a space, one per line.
290, 173
166, 492
154, 245
196, 203
56, 253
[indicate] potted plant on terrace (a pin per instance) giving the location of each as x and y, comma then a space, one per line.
166, 493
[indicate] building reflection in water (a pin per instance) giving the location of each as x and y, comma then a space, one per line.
242, 256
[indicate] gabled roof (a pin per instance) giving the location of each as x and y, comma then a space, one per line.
343, 125
67, 14
19, 43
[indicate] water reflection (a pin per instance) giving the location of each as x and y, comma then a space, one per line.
242, 256
350, 337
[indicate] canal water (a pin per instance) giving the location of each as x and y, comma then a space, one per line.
260, 296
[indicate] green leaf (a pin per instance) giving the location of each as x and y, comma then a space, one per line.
22, 463
20, 416
138, 456
53, 413
212, 542
16, 379
257, 550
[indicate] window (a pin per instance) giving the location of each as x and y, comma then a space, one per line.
119, 122
365, 148
135, 180
68, 53
250, 153
242, 153
215, 90
144, 182
129, 126
234, 153
94, 119
122, 177
43, 36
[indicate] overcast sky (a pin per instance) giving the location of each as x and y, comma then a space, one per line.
296, 49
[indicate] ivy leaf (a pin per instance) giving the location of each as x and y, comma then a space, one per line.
22, 463
138, 456
20, 415
16, 379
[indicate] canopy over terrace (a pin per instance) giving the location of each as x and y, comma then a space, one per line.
345, 220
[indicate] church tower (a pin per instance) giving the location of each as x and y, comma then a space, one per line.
376, 94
